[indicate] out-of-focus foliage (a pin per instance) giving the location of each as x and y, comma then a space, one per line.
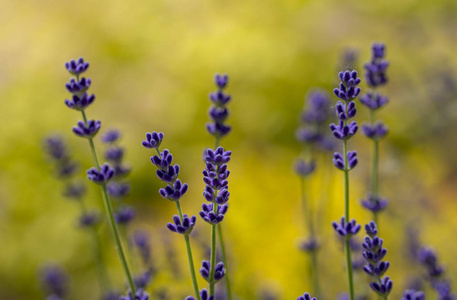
152, 64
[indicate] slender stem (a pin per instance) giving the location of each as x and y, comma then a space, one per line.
224, 260
346, 215
109, 209
190, 257
212, 282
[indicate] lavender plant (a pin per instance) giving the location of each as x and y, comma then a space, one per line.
173, 191
100, 174
218, 114
374, 254
375, 75
313, 139
65, 169
347, 91
435, 274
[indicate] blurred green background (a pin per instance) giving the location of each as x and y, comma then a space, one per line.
152, 64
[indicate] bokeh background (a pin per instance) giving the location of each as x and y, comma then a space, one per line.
152, 64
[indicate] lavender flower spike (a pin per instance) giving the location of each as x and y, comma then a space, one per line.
80, 100
219, 112
306, 296
219, 271
173, 191
346, 110
374, 254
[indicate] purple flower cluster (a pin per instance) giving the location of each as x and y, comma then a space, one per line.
168, 173
435, 273
219, 111
139, 295
219, 271
344, 130
346, 229
374, 254
215, 177
204, 295
306, 296
374, 203
375, 70
54, 281
413, 295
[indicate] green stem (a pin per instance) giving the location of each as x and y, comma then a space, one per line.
189, 257
224, 260
374, 167
109, 209
212, 282
346, 215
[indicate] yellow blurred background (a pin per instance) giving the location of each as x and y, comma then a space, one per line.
152, 67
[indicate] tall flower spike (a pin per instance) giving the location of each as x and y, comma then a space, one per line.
374, 254
219, 112
375, 75
346, 161
78, 87
173, 191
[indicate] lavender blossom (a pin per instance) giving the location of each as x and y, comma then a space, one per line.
413, 295
101, 176
306, 296
374, 203
182, 225
219, 271
376, 68
118, 190
303, 168
124, 215
139, 295
80, 100
141, 241
374, 254
375, 76
204, 295
87, 129
143, 280
219, 112
111, 136
54, 280
346, 161
346, 229
77, 67
89, 219
435, 273
173, 191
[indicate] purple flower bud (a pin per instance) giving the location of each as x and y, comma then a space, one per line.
413, 295
375, 71
124, 215
153, 140
213, 217
383, 287
88, 130
114, 154
139, 295
80, 102
74, 190
142, 280
54, 280
89, 219
374, 203
221, 80
348, 89
76, 67
219, 271
101, 176
111, 136
303, 168
346, 229
204, 295
118, 189
183, 226
306, 296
